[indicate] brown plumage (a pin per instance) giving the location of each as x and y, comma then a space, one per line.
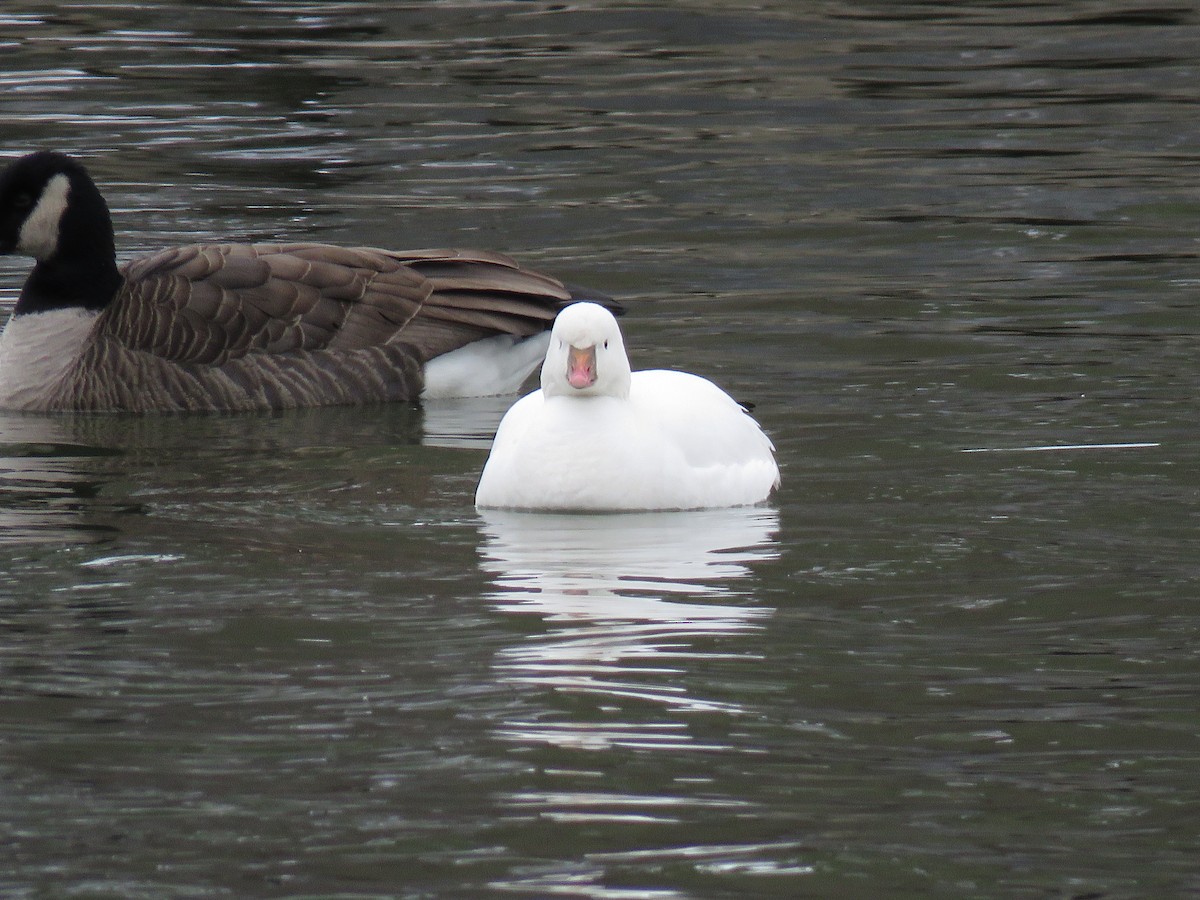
269, 326
249, 326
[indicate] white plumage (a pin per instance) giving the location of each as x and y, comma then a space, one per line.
599, 437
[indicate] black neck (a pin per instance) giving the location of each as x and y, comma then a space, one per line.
62, 282
82, 271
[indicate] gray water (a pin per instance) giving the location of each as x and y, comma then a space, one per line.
951, 255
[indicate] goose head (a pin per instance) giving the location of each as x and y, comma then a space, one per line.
586, 355
50, 209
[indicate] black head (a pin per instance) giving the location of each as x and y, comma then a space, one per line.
47, 200
51, 210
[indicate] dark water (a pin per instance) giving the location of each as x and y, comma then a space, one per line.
951, 253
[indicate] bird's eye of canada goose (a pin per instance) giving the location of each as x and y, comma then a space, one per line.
23, 200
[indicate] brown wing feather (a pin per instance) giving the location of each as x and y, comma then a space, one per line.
212, 303
477, 294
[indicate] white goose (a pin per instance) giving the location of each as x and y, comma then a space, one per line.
249, 326
599, 437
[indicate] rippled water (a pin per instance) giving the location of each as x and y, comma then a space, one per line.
951, 255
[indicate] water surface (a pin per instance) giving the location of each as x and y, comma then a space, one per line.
950, 254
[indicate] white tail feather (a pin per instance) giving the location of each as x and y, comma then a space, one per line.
495, 365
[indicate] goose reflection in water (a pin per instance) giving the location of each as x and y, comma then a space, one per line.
633, 604
48, 479
463, 422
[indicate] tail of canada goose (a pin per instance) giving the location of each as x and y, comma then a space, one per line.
476, 295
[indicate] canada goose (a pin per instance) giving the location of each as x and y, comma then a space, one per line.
248, 326
600, 437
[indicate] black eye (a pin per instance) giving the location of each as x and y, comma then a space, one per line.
606, 345
23, 200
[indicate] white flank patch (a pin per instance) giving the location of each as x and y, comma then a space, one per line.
36, 350
495, 365
39, 234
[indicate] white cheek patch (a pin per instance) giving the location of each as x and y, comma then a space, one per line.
39, 234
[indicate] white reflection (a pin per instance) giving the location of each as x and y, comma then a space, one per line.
592, 563
634, 604
469, 422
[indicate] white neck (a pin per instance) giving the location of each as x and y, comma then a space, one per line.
36, 351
